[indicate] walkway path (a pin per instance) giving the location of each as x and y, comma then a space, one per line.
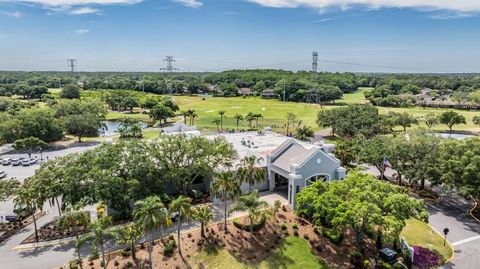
54, 256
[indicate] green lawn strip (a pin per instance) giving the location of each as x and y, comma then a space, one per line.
293, 253
419, 233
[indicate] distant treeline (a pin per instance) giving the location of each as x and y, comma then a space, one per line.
289, 86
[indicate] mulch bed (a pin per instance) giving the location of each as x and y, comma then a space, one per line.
8, 229
51, 231
241, 246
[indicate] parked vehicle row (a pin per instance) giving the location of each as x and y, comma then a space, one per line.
19, 161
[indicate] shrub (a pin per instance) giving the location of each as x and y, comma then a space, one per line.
274, 232
318, 248
334, 236
171, 237
283, 226
425, 258
125, 253
356, 259
129, 264
316, 230
116, 263
246, 227
398, 266
286, 233
295, 226
168, 250
73, 264
306, 236
295, 233
384, 265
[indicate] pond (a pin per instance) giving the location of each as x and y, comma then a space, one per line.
454, 136
111, 128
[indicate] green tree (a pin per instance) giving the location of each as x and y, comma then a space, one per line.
150, 214
203, 214
250, 172
253, 205
226, 187
99, 232
86, 125
130, 128
250, 118
73, 218
222, 116
129, 235
27, 200
130, 102
344, 151
238, 118
70, 91
360, 202
182, 206
430, 120
374, 151
451, 118
327, 118
476, 120
402, 119
39, 123
291, 118
217, 122
161, 113
305, 133
257, 116
8, 188
29, 144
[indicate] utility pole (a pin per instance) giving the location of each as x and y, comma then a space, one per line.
72, 64
169, 67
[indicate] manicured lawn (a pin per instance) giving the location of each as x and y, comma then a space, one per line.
356, 97
115, 115
418, 233
293, 253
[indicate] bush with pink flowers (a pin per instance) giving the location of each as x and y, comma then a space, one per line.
424, 258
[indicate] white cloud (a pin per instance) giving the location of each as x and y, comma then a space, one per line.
452, 5
189, 3
84, 11
69, 3
82, 31
15, 14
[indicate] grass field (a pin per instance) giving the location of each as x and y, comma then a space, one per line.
418, 233
274, 111
294, 253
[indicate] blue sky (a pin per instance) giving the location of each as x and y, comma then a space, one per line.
214, 35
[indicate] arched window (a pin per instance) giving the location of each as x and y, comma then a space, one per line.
316, 178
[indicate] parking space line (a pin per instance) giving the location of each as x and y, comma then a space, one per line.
470, 239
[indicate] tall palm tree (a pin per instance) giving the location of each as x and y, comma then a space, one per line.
222, 115
238, 118
150, 214
204, 214
99, 231
250, 118
27, 201
193, 115
226, 187
185, 114
253, 204
256, 117
217, 122
73, 218
291, 118
182, 207
129, 235
249, 172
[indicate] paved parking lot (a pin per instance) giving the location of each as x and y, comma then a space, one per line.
23, 172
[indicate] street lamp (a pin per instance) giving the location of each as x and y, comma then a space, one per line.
445, 232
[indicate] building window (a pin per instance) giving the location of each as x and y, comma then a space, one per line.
290, 194
316, 178
298, 189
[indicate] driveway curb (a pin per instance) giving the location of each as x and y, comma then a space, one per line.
448, 243
475, 204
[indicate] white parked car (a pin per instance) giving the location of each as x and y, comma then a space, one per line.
3, 174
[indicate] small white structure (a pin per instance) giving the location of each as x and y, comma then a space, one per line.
181, 128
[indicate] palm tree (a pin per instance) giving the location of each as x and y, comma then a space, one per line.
222, 115
182, 207
204, 214
253, 204
217, 122
256, 117
185, 114
193, 115
226, 187
129, 235
290, 119
249, 172
250, 118
26, 200
238, 118
99, 231
304, 133
150, 214
73, 218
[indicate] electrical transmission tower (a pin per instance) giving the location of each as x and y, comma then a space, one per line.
169, 60
314, 61
72, 64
